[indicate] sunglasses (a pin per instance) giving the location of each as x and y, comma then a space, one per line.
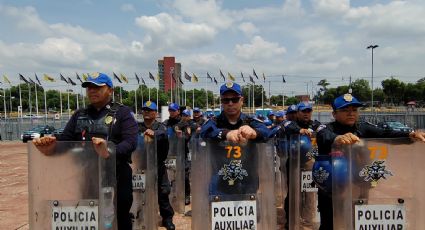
230, 99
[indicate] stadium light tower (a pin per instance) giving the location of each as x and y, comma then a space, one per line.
372, 47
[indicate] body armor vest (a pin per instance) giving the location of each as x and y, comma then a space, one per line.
87, 127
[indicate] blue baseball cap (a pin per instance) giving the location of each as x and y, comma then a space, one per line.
149, 105
186, 112
304, 105
230, 86
173, 107
196, 110
99, 79
292, 109
279, 114
270, 113
346, 100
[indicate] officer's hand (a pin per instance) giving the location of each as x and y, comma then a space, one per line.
417, 136
346, 139
233, 136
198, 130
45, 145
179, 133
101, 147
149, 132
247, 132
307, 132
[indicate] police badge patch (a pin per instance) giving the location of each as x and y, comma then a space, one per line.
348, 97
375, 172
229, 84
232, 172
320, 175
108, 120
94, 75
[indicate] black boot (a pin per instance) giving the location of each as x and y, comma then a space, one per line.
168, 224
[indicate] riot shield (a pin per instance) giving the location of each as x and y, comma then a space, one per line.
236, 189
145, 184
375, 185
71, 187
302, 191
175, 164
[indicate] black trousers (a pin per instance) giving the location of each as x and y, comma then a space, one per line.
326, 210
164, 189
124, 196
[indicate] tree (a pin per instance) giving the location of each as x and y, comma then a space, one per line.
394, 90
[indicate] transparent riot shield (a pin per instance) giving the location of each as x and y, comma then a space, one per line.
70, 187
302, 191
145, 184
282, 152
235, 186
175, 164
376, 184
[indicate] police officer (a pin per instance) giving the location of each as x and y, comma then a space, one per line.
301, 124
153, 128
232, 124
104, 120
198, 118
184, 129
347, 130
291, 113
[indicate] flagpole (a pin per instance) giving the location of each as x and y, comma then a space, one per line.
78, 102
206, 89
141, 91
121, 94
171, 89
193, 97
253, 98
45, 103
157, 99
4, 103
60, 99
83, 98
36, 99
10, 101
149, 93
29, 99
135, 103
69, 110
262, 97
20, 98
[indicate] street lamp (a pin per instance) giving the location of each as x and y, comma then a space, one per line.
372, 47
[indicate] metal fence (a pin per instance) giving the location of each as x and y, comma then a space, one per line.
12, 128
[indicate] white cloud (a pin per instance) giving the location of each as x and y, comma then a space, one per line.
171, 32
24, 18
248, 28
259, 49
127, 8
205, 11
331, 7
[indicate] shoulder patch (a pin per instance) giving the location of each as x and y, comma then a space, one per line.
320, 128
286, 123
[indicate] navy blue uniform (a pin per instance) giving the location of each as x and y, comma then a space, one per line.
90, 122
218, 128
325, 138
161, 136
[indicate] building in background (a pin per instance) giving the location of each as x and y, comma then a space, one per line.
169, 74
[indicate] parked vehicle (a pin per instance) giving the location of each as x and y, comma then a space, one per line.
394, 125
36, 132
58, 131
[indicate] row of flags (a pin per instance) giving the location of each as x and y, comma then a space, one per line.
122, 78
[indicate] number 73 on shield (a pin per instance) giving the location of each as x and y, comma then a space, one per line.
233, 152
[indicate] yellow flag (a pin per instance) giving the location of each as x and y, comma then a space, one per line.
231, 77
195, 78
123, 78
85, 77
157, 76
6, 79
48, 78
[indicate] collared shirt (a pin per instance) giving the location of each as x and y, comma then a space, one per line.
123, 133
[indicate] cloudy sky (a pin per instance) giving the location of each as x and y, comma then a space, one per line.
305, 40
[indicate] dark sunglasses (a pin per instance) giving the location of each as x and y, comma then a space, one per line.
231, 99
